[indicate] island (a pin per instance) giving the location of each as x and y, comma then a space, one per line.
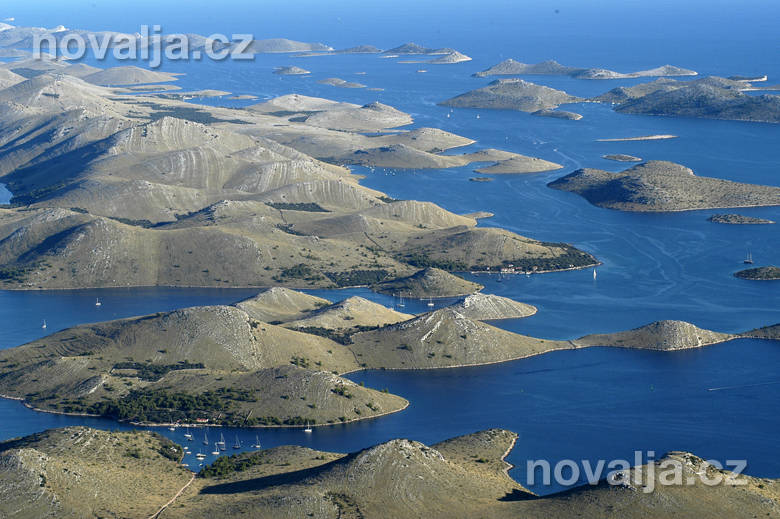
660, 335
769, 273
710, 98
510, 67
558, 114
413, 48
449, 59
74, 471
620, 157
291, 71
512, 94
663, 186
738, 219
341, 83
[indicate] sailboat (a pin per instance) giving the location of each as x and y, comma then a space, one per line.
430, 302
401, 301
215, 452
200, 455
257, 442
205, 438
594, 273
44, 324
749, 259
221, 442
188, 436
97, 302
237, 445
308, 428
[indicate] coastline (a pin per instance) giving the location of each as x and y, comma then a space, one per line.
266, 287
198, 425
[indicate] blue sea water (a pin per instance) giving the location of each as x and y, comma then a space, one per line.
596, 403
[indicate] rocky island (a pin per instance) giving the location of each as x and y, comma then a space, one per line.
769, 273
660, 335
512, 94
558, 114
709, 98
291, 71
738, 219
620, 157
663, 186
510, 67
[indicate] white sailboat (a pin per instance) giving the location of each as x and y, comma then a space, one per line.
97, 302
594, 273
749, 259
257, 442
205, 437
215, 452
237, 445
221, 442
430, 302
308, 428
44, 324
188, 436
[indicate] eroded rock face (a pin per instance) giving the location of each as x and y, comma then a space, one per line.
487, 306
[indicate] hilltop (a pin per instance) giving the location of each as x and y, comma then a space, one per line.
428, 282
663, 186
512, 94
350, 314
78, 472
444, 338
398, 478
82, 472
483, 307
